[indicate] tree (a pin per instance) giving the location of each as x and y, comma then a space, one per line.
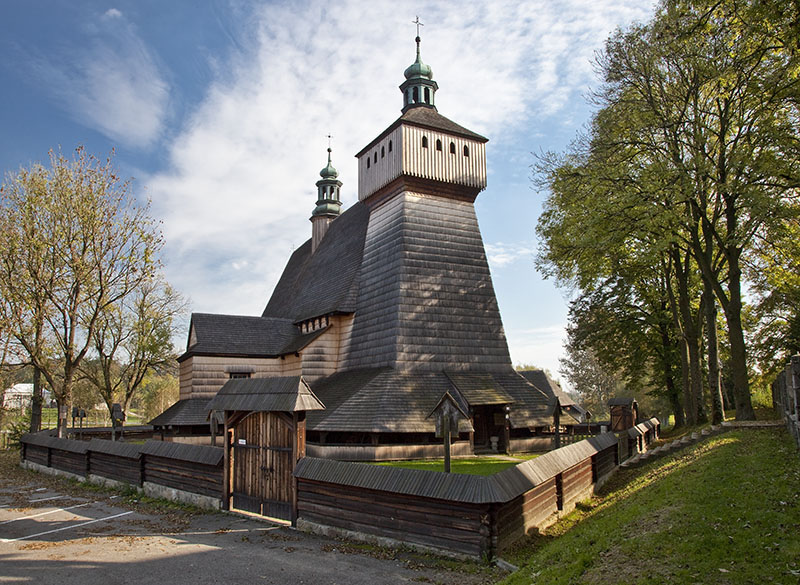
74, 242
594, 381
132, 339
710, 98
694, 152
159, 392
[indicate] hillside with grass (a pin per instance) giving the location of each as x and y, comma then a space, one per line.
725, 511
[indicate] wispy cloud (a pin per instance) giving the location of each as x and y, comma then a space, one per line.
239, 187
500, 254
541, 346
111, 82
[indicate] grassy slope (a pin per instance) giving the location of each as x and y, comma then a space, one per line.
726, 511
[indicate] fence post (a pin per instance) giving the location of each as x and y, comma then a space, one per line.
793, 389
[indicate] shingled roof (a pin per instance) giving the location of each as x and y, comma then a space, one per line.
327, 281
283, 394
391, 401
426, 118
187, 412
239, 335
551, 388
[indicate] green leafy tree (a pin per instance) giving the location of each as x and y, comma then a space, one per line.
132, 339
711, 101
74, 242
692, 154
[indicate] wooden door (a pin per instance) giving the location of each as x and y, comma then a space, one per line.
263, 461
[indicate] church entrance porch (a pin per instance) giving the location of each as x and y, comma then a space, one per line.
491, 429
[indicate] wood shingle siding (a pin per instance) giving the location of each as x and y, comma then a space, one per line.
426, 299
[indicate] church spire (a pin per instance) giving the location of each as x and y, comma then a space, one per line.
419, 87
329, 206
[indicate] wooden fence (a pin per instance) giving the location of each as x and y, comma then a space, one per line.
786, 397
468, 515
189, 473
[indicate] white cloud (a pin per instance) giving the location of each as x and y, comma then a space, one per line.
240, 183
112, 13
539, 346
501, 255
112, 84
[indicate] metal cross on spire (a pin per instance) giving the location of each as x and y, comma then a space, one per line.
418, 23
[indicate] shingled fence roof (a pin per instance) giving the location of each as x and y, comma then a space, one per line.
473, 489
184, 452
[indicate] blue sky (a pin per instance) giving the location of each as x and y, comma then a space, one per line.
219, 110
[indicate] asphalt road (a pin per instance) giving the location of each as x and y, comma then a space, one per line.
78, 536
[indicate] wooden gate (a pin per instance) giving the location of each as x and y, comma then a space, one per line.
263, 461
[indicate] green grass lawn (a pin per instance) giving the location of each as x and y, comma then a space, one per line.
726, 511
94, 418
469, 466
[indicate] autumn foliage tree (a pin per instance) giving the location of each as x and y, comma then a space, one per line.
74, 243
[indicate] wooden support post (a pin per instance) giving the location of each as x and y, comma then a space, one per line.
557, 423
226, 467
446, 433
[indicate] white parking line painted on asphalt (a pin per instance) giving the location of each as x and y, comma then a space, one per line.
7, 540
46, 513
47, 499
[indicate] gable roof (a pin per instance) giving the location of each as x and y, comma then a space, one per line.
190, 411
284, 394
240, 335
325, 282
546, 384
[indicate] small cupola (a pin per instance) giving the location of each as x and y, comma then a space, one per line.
329, 204
419, 88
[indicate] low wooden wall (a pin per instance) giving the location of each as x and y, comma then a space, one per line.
184, 470
468, 515
454, 526
786, 397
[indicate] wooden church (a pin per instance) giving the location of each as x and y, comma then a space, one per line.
385, 309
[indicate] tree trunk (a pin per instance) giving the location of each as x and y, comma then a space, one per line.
714, 386
693, 394
733, 316
673, 395
36, 401
687, 391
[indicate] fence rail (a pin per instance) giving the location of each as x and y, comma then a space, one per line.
786, 397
